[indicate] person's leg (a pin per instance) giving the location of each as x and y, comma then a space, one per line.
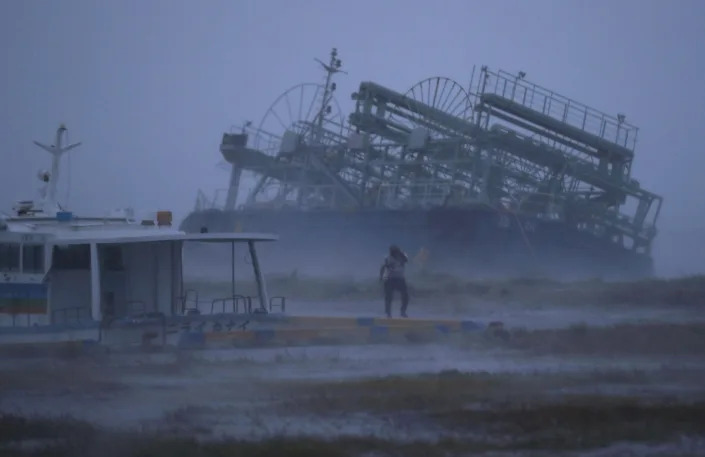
404, 297
388, 294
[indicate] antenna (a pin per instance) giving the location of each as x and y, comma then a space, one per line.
331, 68
56, 150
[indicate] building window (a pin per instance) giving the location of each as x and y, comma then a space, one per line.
72, 257
33, 258
9, 257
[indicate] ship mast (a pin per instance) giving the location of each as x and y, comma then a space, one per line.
56, 150
331, 68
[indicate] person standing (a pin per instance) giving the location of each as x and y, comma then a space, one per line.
392, 275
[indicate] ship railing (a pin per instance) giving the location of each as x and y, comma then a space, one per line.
217, 201
201, 201
264, 141
319, 196
22, 319
566, 110
259, 139
73, 314
190, 297
246, 301
322, 196
600, 223
277, 301
267, 143
234, 303
333, 134
151, 326
430, 193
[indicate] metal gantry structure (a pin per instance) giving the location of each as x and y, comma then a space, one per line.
504, 143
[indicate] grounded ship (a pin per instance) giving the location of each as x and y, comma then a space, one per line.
505, 179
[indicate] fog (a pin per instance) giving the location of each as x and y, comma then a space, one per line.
150, 86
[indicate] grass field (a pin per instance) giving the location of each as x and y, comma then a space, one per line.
571, 425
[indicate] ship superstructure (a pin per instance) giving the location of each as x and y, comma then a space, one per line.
505, 175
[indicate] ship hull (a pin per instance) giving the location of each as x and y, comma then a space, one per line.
475, 242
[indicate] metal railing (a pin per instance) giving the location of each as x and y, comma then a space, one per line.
564, 109
280, 302
234, 301
70, 312
217, 201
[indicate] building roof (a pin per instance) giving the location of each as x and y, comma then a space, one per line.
105, 234
138, 236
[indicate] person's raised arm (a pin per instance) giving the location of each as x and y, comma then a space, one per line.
403, 256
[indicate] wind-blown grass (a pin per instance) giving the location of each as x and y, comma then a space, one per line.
575, 425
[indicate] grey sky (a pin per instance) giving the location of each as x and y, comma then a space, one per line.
149, 86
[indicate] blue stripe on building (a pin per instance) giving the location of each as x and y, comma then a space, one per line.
23, 298
31, 291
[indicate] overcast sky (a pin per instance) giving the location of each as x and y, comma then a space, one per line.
149, 86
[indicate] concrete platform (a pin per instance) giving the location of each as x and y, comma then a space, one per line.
223, 331
326, 330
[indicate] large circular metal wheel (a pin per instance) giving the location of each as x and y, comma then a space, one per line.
298, 110
441, 94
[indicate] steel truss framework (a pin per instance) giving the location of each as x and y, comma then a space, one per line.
505, 142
